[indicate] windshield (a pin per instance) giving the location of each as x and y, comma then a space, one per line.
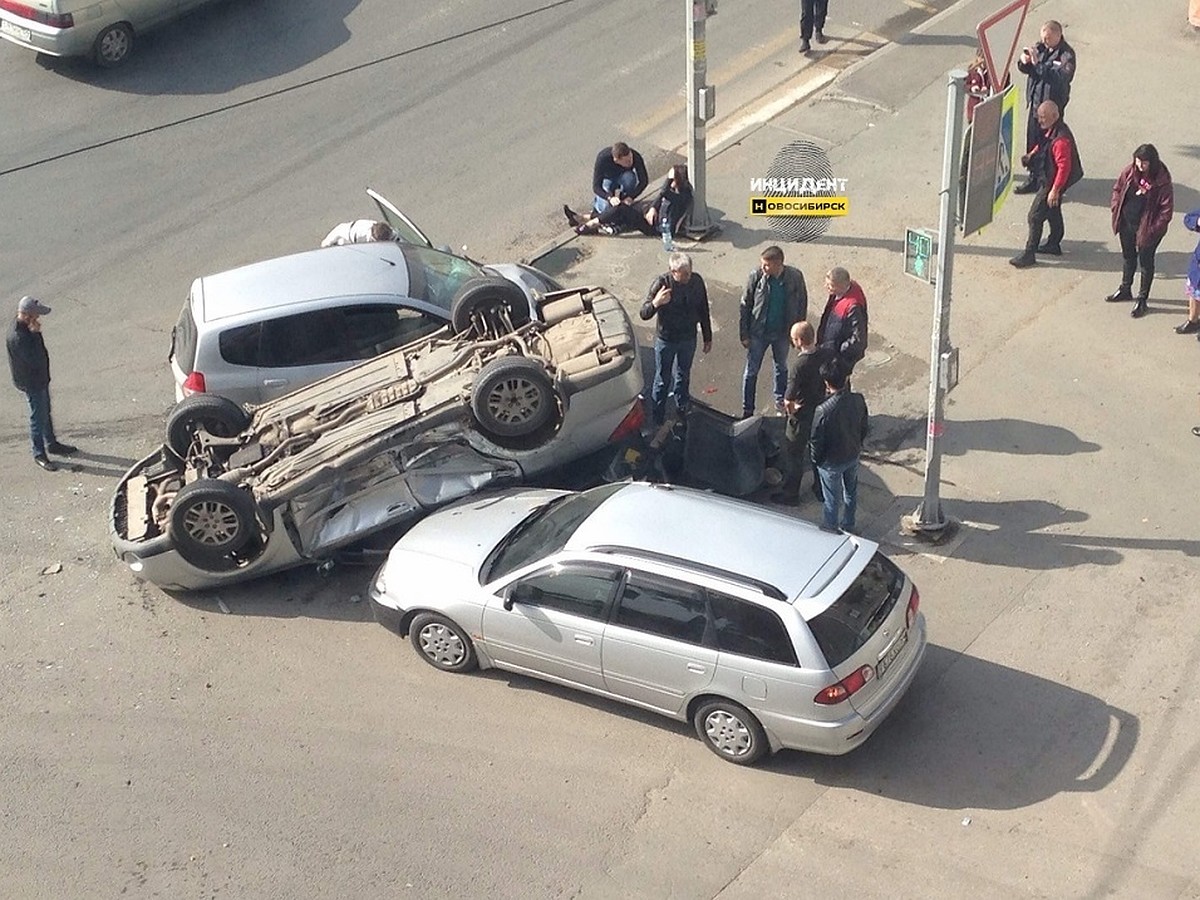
852, 618
544, 532
436, 277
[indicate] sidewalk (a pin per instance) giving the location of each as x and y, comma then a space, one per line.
1048, 746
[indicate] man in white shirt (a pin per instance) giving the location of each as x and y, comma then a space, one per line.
360, 231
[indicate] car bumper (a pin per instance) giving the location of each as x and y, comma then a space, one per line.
839, 736
44, 39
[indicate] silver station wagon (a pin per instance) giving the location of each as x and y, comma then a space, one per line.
762, 630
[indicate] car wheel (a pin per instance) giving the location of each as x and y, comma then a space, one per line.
731, 731
442, 644
113, 45
219, 416
480, 296
513, 397
210, 522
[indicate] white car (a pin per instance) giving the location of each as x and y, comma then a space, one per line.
234, 494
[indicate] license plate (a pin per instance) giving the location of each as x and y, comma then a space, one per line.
22, 34
885, 661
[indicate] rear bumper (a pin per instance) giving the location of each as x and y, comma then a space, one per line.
44, 39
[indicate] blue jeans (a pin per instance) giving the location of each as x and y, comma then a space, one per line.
839, 483
626, 181
41, 426
668, 354
754, 360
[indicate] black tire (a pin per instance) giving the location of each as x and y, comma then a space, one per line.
113, 45
512, 398
731, 731
219, 416
442, 644
489, 292
210, 522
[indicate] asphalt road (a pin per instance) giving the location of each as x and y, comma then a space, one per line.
158, 746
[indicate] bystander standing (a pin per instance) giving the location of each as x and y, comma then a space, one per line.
1050, 66
838, 430
805, 391
775, 298
29, 362
678, 301
1055, 161
1143, 200
843, 325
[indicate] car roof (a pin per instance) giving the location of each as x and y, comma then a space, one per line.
759, 544
351, 270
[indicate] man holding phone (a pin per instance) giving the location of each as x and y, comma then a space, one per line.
1050, 67
678, 301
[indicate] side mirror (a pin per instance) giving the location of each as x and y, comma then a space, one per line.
508, 602
522, 593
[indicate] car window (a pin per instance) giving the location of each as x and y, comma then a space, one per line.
436, 277
305, 339
852, 618
545, 531
663, 607
377, 328
577, 588
749, 630
239, 346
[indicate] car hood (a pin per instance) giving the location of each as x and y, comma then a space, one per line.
467, 532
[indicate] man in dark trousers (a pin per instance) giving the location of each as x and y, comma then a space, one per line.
843, 325
30, 366
775, 299
805, 391
1050, 66
812, 16
678, 300
838, 431
1056, 161
619, 176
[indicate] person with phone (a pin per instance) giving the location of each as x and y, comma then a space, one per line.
1050, 69
678, 302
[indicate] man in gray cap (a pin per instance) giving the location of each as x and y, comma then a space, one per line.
30, 365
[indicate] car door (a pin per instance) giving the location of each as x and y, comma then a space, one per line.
551, 622
401, 223
302, 348
657, 647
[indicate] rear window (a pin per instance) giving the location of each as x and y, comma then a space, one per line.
183, 340
856, 615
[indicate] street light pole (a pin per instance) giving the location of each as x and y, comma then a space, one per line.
928, 516
700, 103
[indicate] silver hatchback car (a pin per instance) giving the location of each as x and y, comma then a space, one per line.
762, 630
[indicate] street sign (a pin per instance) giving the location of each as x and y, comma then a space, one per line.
999, 35
983, 152
918, 254
1007, 149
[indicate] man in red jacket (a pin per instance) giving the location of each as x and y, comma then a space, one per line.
1055, 161
843, 326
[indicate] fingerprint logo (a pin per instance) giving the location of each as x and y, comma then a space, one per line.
800, 159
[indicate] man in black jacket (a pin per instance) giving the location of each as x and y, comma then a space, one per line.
30, 366
805, 391
1050, 67
619, 176
838, 430
678, 300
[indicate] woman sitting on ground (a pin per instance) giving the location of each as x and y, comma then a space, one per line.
674, 201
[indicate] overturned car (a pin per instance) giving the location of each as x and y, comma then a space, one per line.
234, 494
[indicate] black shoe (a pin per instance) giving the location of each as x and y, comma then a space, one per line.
1196, 431
43, 461
1049, 249
574, 219
1139, 308
1024, 261
1188, 327
58, 448
1120, 295
1029, 187
805, 46
821, 39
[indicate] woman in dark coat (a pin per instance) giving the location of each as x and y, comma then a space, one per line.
1143, 200
674, 200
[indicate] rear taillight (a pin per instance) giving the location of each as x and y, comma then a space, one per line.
631, 425
845, 688
193, 384
54, 20
914, 603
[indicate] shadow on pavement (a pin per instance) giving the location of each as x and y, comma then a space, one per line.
220, 47
973, 734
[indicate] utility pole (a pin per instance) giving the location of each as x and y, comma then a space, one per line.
701, 103
943, 363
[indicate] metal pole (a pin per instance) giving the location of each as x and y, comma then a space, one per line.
697, 72
928, 516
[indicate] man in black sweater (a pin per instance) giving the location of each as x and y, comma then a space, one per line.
30, 366
678, 300
619, 176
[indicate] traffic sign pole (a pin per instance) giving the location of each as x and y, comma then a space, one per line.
928, 516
